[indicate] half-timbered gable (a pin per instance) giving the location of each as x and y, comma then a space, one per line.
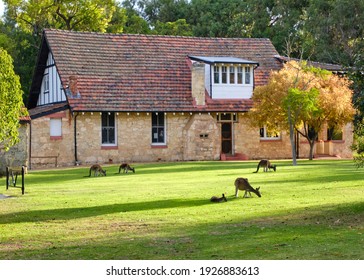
51, 90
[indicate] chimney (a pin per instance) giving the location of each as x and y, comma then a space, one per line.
73, 85
198, 83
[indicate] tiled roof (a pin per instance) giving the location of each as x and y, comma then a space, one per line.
47, 109
124, 72
326, 66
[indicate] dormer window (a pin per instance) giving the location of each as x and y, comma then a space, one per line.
228, 77
232, 75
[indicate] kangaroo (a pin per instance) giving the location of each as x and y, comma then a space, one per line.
218, 199
243, 184
97, 170
266, 164
126, 167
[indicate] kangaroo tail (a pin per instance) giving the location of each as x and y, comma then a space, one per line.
257, 169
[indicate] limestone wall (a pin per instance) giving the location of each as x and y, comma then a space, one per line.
17, 155
248, 142
45, 150
188, 137
202, 138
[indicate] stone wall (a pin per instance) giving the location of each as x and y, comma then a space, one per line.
248, 142
47, 151
189, 137
17, 155
184, 141
201, 138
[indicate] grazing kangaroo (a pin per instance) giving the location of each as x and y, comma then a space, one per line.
243, 184
126, 167
97, 170
218, 199
266, 164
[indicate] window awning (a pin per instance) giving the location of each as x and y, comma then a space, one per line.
222, 59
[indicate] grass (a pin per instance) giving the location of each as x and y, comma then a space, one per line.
311, 211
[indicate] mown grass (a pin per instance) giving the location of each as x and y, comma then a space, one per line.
311, 211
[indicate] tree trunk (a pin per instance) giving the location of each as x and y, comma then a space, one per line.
291, 137
312, 145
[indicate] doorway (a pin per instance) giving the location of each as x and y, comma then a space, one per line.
226, 138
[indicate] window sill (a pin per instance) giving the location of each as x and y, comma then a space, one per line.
109, 147
159, 146
271, 140
55, 138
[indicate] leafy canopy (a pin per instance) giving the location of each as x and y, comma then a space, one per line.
302, 98
11, 102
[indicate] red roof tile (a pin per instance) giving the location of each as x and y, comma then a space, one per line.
123, 72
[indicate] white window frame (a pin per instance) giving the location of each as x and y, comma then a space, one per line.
247, 70
107, 127
46, 82
55, 127
266, 136
159, 126
238, 69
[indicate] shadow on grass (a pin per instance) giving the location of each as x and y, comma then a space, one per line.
330, 232
83, 212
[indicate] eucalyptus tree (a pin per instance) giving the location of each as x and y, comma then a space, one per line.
11, 102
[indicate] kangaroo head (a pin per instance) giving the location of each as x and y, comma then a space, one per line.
274, 168
223, 197
258, 192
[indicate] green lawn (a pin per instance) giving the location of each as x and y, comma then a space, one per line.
311, 211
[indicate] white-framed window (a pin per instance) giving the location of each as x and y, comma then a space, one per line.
227, 117
335, 134
108, 129
46, 83
55, 127
224, 73
216, 74
232, 75
265, 134
158, 128
240, 74
247, 75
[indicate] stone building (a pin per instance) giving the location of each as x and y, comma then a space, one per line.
120, 97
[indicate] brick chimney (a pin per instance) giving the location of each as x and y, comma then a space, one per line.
73, 85
198, 83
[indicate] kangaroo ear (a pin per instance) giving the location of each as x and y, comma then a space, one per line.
258, 188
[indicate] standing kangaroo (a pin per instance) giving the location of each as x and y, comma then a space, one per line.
218, 199
243, 185
266, 164
97, 170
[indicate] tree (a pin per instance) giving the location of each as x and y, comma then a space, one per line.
177, 28
334, 31
301, 98
80, 15
11, 102
22, 47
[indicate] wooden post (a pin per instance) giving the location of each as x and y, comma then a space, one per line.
22, 180
7, 178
